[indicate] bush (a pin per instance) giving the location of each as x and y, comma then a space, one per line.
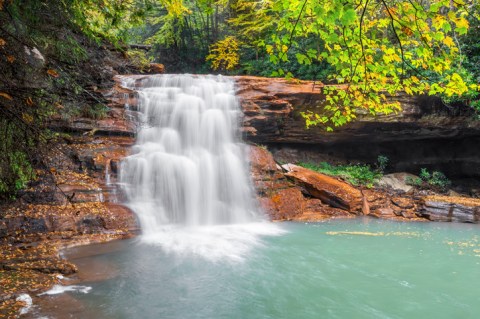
139, 59
426, 180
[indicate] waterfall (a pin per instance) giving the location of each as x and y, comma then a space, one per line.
188, 166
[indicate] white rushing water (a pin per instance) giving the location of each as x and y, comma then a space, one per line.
187, 179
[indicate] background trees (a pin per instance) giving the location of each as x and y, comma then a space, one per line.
371, 48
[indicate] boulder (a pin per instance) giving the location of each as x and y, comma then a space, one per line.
397, 181
451, 209
329, 190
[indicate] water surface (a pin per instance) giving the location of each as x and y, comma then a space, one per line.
363, 268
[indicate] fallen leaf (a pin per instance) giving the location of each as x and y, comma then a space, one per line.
6, 96
2, 41
10, 58
29, 101
27, 118
53, 73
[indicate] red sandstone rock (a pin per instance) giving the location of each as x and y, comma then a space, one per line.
278, 198
328, 189
283, 200
315, 210
284, 204
385, 212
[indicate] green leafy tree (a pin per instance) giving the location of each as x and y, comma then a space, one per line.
376, 47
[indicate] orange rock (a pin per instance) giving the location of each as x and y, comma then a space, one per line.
157, 68
284, 204
328, 189
315, 210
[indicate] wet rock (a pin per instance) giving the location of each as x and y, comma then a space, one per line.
284, 204
451, 209
62, 223
47, 266
114, 164
384, 212
329, 190
403, 202
315, 210
91, 224
24, 225
120, 218
156, 68
3, 229
278, 198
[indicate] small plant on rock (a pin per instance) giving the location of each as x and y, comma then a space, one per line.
382, 163
426, 180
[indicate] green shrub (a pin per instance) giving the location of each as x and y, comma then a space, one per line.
359, 174
426, 180
382, 163
139, 59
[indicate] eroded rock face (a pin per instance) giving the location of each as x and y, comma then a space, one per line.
282, 199
451, 209
278, 198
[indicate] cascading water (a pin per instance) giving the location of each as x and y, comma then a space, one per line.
188, 166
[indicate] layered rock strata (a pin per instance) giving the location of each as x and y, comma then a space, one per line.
426, 133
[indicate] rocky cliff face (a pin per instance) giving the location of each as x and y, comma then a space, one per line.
425, 133
76, 202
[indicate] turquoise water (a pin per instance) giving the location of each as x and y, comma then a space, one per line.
363, 268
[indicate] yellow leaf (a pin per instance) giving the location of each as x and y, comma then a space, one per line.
461, 22
6, 96
448, 41
2, 42
10, 58
27, 118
